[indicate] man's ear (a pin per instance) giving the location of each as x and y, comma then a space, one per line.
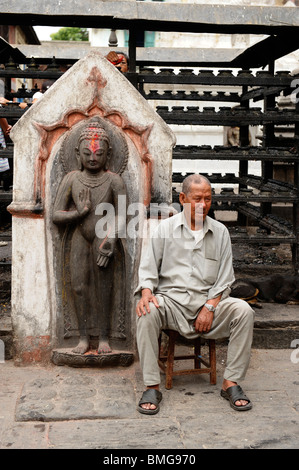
182, 198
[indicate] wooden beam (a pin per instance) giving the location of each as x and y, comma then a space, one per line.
152, 16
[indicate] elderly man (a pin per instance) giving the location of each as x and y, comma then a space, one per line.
184, 282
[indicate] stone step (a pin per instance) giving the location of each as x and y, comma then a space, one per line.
6, 336
276, 326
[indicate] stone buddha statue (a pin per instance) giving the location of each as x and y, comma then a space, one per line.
91, 251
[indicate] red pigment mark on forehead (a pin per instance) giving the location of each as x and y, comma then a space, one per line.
94, 144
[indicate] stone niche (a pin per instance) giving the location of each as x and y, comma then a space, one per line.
43, 320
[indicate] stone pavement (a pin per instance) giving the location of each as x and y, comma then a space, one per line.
59, 407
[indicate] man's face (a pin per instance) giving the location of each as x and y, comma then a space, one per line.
197, 204
123, 65
93, 154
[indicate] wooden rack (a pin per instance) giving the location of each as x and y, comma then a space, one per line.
185, 96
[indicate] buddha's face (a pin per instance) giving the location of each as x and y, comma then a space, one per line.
93, 154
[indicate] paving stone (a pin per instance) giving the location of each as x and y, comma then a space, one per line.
118, 434
71, 397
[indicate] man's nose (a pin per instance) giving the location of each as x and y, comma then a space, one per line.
199, 208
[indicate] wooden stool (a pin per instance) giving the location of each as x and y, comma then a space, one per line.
166, 361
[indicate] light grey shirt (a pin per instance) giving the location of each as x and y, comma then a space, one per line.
186, 271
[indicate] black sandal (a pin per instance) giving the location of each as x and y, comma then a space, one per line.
234, 394
153, 396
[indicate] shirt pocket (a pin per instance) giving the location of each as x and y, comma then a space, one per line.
210, 270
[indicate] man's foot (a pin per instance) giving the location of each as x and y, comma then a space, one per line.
104, 347
149, 403
150, 406
233, 392
83, 345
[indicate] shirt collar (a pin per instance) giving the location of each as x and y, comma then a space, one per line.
181, 220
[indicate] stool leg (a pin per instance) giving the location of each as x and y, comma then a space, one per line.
170, 359
197, 353
212, 351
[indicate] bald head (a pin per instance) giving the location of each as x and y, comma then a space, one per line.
193, 179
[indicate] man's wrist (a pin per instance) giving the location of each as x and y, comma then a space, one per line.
142, 288
146, 290
210, 307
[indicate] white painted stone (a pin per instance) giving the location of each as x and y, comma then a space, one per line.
31, 295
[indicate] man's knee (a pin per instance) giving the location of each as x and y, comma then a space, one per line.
246, 312
240, 310
149, 318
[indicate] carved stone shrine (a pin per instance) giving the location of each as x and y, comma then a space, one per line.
90, 157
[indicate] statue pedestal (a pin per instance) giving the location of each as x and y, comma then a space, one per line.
65, 357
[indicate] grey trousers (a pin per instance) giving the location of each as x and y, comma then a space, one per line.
233, 319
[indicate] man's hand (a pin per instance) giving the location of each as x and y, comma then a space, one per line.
113, 58
7, 130
143, 305
204, 320
3, 101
